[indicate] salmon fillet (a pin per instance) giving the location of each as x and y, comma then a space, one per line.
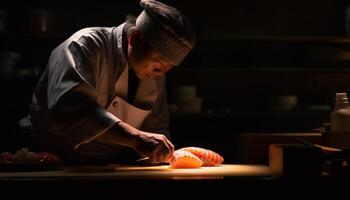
208, 157
194, 157
185, 159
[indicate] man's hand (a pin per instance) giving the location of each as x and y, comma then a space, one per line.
155, 146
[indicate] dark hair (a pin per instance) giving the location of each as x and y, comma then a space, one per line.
130, 24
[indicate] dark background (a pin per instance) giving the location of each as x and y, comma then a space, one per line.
247, 52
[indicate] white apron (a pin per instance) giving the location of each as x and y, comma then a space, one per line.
145, 97
126, 112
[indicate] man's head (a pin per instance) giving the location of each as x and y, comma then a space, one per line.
162, 39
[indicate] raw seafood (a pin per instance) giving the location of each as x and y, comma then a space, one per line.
185, 159
208, 157
194, 157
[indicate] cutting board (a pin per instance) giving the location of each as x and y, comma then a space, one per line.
225, 170
147, 172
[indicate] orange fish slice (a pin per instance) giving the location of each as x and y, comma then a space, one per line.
184, 159
208, 157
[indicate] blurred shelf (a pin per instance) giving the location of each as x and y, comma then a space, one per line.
27, 78
245, 122
32, 36
27, 44
280, 39
252, 114
262, 69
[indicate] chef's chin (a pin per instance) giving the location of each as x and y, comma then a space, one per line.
143, 76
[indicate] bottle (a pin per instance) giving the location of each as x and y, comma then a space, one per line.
339, 135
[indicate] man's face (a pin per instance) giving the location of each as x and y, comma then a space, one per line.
150, 66
146, 62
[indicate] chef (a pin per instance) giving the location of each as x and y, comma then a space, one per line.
103, 90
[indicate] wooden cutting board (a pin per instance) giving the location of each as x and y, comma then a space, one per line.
148, 172
225, 170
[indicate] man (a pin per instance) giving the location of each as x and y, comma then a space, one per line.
103, 91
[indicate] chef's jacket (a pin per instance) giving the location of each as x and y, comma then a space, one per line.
83, 90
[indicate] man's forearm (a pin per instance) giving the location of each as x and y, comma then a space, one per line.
121, 133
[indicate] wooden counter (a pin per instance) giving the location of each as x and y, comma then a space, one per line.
155, 182
138, 180
144, 172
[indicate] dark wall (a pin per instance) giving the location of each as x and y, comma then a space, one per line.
247, 51
222, 17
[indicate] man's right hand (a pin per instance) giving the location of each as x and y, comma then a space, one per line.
155, 146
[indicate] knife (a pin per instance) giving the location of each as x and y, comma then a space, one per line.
142, 159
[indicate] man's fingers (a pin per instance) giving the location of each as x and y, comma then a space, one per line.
158, 153
158, 148
169, 144
171, 150
168, 148
166, 151
163, 151
154, 157
160, 157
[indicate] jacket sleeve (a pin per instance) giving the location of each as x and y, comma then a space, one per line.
158, 120
73, 107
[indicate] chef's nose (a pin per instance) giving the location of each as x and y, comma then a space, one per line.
157, 71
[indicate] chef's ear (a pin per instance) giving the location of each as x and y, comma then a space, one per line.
135, 38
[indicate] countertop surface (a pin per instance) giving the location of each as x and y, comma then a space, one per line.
112, 171
157, 182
